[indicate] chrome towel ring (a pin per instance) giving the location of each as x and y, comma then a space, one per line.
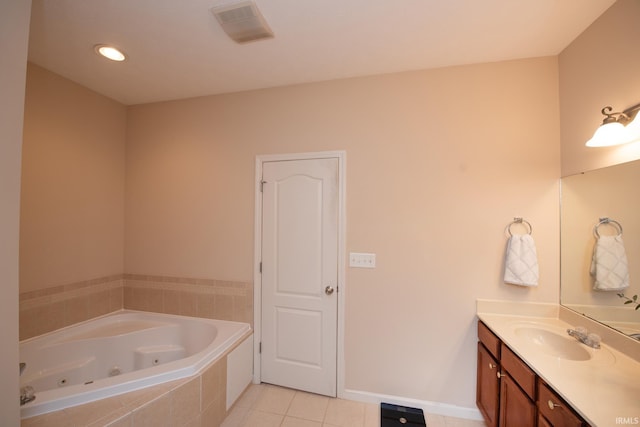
518, 220
603, 221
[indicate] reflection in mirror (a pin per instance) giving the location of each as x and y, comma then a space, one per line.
613, 193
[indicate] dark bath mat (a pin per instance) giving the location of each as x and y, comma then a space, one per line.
400, 416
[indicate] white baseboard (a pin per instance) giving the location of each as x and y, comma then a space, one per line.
434, 408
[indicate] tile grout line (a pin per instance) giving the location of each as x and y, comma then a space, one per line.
288, 407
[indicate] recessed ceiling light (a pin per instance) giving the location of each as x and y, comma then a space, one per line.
110, 52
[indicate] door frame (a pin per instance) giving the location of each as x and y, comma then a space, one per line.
257, 256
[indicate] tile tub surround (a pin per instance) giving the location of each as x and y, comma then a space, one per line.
195, 401
48, 309
212, 299
600, 390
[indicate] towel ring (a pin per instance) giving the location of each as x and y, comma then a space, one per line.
519, 221
602, 221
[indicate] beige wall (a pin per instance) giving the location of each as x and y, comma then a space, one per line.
14, 32
72, 201
599, 68
438, 164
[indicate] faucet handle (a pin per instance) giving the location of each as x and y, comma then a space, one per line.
594, 339
581, 330
27, 394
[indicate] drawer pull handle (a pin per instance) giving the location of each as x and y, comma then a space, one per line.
552, 405
491, 365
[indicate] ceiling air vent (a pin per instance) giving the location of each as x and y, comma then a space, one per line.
242, 21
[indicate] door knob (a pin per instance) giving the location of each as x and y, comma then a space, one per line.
328, 290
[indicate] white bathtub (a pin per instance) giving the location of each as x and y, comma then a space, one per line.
117, 353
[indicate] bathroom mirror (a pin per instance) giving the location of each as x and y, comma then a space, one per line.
613, 193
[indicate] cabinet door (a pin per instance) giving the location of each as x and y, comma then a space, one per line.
487, 387
516, 409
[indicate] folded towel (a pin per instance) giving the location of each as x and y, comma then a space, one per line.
609, 264
521, 263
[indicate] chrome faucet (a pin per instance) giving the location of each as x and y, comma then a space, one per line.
582, 335
27, 393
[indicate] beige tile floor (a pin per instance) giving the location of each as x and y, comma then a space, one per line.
270, 406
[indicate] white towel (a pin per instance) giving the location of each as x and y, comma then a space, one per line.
609, 264
521, 263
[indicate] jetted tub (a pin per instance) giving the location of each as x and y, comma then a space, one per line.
117, 353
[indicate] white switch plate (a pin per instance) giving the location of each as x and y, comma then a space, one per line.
362, 260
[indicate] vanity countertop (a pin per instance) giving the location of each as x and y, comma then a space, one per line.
604, 390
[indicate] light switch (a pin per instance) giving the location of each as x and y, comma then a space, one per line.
362, 260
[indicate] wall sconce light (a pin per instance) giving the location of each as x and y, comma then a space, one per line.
617, 128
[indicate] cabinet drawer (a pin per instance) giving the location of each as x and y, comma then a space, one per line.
555, 409
519, 371
490, 341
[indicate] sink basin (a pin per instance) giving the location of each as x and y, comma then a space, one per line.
553, 344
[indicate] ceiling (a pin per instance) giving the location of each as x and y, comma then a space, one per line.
176, 48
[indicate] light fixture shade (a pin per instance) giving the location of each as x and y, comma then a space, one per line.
617, 127
607, 135
633, 129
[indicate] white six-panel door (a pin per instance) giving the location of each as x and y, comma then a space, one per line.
299, 274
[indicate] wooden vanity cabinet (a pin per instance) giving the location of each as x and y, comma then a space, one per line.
509, 394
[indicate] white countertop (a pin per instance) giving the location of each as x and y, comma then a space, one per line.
604, 390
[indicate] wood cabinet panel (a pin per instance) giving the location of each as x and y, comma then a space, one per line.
487, 386
542, 421
516, 409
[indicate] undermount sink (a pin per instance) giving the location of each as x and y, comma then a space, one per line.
553, 344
